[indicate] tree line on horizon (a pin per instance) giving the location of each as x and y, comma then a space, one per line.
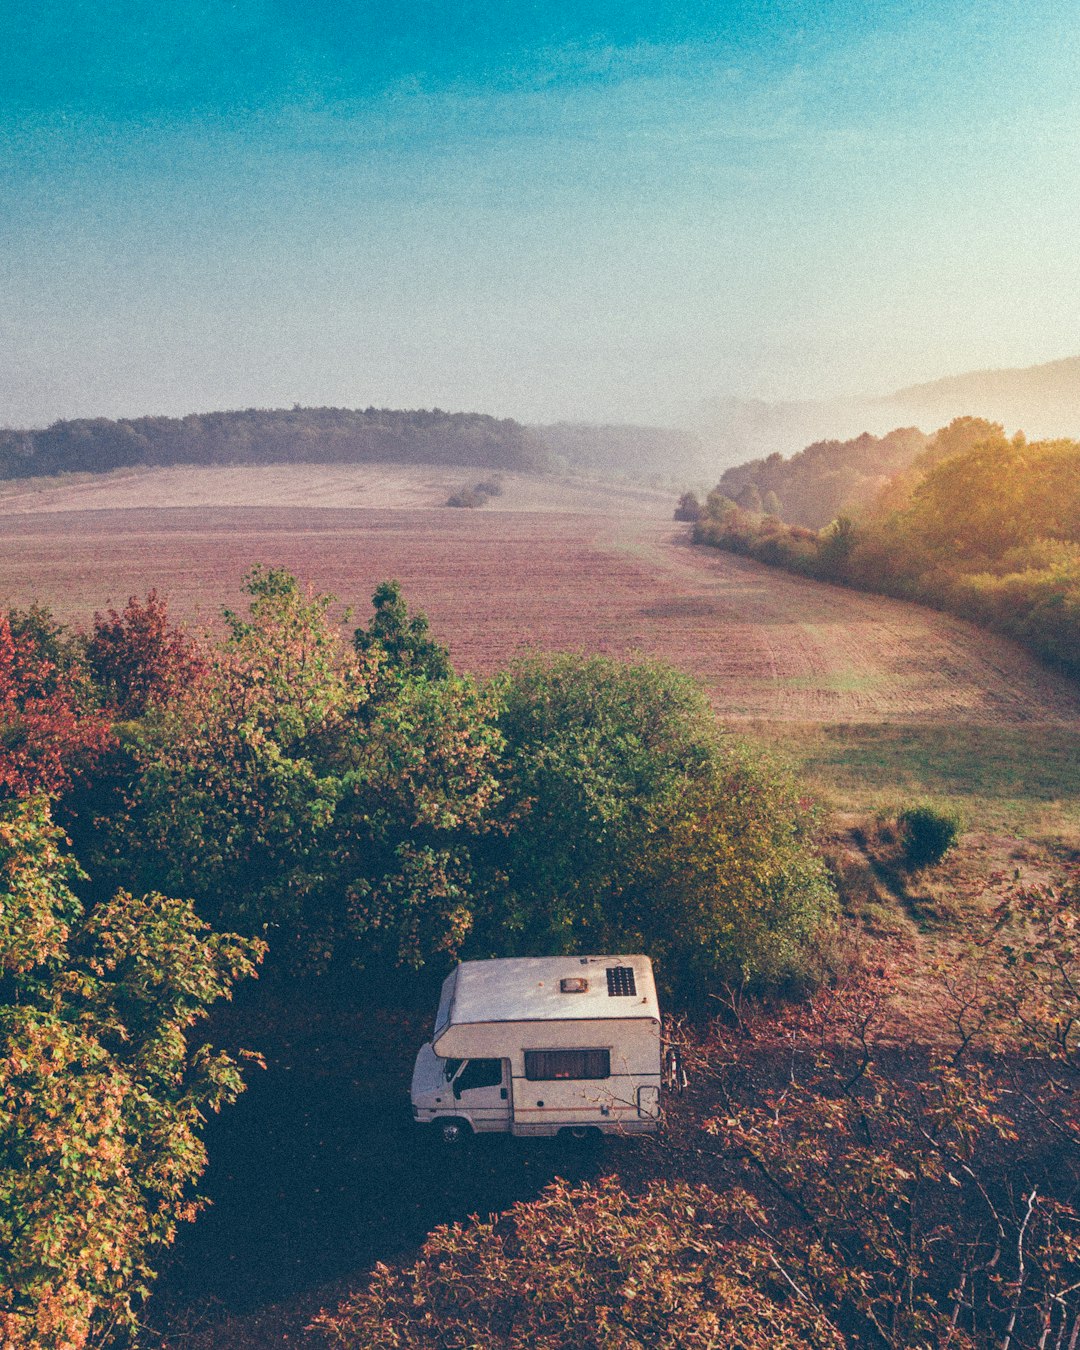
979, 524
273, 436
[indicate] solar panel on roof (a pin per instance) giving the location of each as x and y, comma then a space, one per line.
620, 982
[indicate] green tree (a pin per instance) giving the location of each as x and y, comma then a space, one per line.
837, 543
688, 507
961, 435
102, 1093
294, 787
629, 823
717, 505
404, 639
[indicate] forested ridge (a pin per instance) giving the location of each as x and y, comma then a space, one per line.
982, 525
273, 436
828, 477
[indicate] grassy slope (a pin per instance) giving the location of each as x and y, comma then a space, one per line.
1017, 780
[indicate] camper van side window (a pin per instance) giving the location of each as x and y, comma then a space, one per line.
543, 1066
480, 1073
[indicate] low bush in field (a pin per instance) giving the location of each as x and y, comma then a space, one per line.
688, 507
468, 497
927, 833
477, 495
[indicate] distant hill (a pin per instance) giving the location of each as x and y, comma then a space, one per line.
274, 436
734, 430
626, 450
1043, 401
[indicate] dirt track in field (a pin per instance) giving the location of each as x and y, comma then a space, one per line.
551, 564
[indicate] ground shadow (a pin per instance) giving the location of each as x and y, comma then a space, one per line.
318, 1171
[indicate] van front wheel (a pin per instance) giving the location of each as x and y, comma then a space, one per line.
453, 1132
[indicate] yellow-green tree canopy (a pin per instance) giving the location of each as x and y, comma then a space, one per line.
102, 1096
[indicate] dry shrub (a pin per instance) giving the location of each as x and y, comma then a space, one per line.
590, 1267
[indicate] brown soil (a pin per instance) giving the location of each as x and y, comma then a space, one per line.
603, 569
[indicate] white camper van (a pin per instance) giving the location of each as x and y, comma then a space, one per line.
542, 1046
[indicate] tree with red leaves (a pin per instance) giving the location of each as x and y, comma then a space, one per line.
47, 735
137, 657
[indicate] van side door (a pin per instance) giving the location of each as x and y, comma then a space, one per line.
481, 1090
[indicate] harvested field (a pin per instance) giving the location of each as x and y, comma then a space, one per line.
377, 486
568, 564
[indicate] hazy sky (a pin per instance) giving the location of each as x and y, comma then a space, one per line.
603, 209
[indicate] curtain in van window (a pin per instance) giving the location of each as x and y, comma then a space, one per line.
543, 1066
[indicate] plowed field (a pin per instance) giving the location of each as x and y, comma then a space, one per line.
550, 563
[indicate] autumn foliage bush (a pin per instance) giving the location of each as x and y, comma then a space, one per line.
928, 1197
137, 657
49, 732
102, 1095
593, 1268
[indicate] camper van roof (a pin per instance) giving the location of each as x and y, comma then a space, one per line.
547, 988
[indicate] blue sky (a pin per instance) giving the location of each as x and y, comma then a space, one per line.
602, 210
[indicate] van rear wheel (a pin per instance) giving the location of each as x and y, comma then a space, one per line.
582, 1134
452, 1132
